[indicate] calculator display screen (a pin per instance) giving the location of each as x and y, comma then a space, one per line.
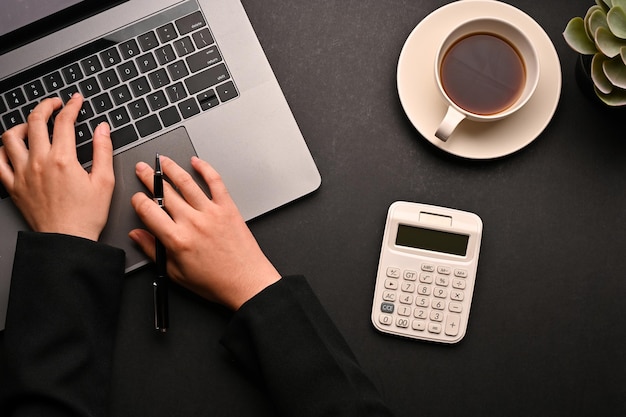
433, 240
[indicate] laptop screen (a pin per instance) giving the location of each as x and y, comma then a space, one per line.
23, 21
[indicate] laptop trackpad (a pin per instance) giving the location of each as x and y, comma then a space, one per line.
175, 145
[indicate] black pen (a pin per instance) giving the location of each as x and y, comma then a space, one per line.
161, 313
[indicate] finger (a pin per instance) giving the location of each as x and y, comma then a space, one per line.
174, 203
102, 168
64, 135
38, 135
153, 216
6, 172
145, 240
184, 182
15, 145
219, 192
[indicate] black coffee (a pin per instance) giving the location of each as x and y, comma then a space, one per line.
483, 73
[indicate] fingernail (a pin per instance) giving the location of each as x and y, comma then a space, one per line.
141, 166
104, 128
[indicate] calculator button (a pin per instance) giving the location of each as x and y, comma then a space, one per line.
385, 319
424, 290
444, 270
419, 325
393, 272
404, 311
453, 322
428, 267
461, 273
389, 296
391, 284
387, 307
420, 313
442, 281
410, 275
440, 293
434, 328
426, 278
457, 295
402, 322
421, 301
408, 286
406, 298
455, 307
459, 284
436, 315
439, 304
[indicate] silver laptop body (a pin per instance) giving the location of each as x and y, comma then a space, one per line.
237, 119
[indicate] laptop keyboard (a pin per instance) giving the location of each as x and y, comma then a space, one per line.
142, 79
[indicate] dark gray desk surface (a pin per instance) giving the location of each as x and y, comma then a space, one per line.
547, 334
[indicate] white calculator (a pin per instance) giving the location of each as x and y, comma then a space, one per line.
426, 272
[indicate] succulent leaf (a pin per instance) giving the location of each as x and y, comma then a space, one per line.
622, 53
600, 80
616, 98
615, 71
576, 37
604, 5
594, 20
616, 18
619, 3
608, 43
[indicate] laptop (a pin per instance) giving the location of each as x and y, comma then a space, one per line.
178, 77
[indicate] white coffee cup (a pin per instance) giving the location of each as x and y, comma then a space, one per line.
481, 75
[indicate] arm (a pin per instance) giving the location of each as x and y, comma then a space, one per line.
285, 338
65, 287
280, 332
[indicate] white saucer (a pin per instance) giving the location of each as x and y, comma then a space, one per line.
425, 107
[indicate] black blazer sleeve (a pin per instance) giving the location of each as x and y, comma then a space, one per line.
61, 323
285, 338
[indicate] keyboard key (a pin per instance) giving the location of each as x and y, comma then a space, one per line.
91, 65
190, 23
159, 79
129, 49
177, 70
72, 73
121, 94
124, 136
89, 87
127, 71
203, 59
166, 33
93, 123
102, 103
170, 116
146, 63
148, 126
68, 93
119, 117
3, 192
11, 119
15, 98
110, 57
203, 38
138, 109
140, 86
3, 108
208, 100
189, 108
176, 92
85, 152
165, 55
83, 134
226, 91
207, 79
157, 100
108, 79
148, 41
53, 81
184, 46
34, 90
26, 110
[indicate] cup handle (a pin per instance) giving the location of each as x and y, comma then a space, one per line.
449, 123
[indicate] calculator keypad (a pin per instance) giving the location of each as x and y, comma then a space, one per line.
425, 302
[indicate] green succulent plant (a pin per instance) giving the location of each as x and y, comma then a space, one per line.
602, 33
